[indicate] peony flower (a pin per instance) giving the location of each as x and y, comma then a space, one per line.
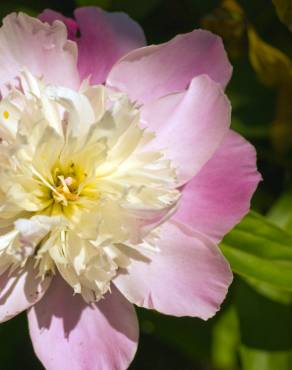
119, 176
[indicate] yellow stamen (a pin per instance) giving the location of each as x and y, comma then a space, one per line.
6, 114
67, 188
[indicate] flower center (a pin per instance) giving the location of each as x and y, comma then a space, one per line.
66, 189
66, 185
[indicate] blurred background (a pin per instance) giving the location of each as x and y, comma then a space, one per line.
253, 331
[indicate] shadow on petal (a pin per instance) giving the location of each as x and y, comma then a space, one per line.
19, 290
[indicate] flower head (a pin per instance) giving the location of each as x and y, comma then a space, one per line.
118, 177
80, 188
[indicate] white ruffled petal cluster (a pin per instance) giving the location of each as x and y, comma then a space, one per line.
80, 190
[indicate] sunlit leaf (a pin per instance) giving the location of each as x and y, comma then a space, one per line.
279, 214
265, 312
260, 250
255, 359
225, 340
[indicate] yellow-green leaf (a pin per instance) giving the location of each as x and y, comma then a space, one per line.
284, 11
272, 66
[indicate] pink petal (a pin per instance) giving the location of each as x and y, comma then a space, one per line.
44, 50
188, 277
67, 333
50, 16
189, 125
219, 196
20, 290
105, 38
154, 71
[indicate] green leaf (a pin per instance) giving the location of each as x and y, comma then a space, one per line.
12, 7
264, 323
249, 131
266, 330
191, 336
102, 3
254, 359
225, 340
136, 9
281, 215
260, 250
281, 212
14, 339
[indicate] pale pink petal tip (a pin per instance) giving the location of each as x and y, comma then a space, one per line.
190, 125
157, 70
188, 277
26, 42
215, 200
104, 38
50, 16
68, 333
